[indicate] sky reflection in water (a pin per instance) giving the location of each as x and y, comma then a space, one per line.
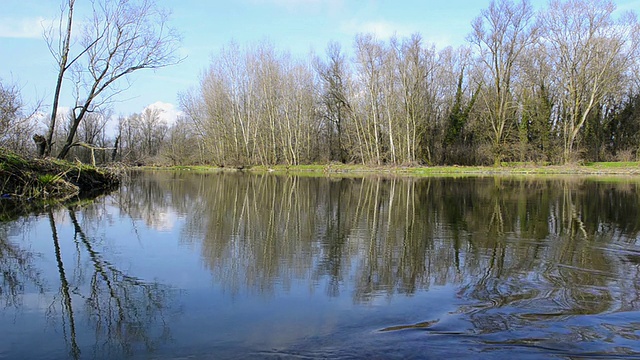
233, 265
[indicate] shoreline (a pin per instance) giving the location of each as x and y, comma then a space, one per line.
28, 184
600, 168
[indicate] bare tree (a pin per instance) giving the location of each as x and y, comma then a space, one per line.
222, 109
61, 54
501, 33
298, 119
412, 73
537, 96
15, 122
92, 134
404, 102
92, 130
591, 53
180, 147
334, 80
369, 58
129, 143
153, 130
120, 37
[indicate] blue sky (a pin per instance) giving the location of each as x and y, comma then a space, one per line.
299, 26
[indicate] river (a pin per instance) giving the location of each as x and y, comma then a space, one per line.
234, 265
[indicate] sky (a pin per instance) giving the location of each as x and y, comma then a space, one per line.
297, 26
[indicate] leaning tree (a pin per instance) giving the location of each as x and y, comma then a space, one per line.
96, 54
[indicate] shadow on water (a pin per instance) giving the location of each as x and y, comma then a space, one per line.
470, 267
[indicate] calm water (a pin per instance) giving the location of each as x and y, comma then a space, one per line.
181, 265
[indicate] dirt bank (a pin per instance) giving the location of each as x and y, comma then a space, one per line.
25, 180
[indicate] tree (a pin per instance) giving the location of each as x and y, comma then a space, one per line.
91, 135
153, 130
623, 130
142, 136
61, 54
299, 121
454, 136
501, 97
334, 79
120, 37
591, 53
502, 33
180, 147
129, 138
14, 122
370, 59
414, 72
537, 96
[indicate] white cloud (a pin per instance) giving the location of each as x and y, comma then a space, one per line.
168, 111
23, 28
384, 30
161, 220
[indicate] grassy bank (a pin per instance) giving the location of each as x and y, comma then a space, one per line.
37, 180
600, 168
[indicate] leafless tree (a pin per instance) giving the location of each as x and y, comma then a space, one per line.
180, 147
15, 121
591, 53
153, 130
512, 93
501, 33
369, 59
118, 38
334, 81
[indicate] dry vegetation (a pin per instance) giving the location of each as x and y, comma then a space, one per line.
27, 180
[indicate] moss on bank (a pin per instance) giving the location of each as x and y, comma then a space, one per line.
39, 181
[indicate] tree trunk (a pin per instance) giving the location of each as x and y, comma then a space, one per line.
64, 57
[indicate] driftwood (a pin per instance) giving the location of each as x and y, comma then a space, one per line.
41, 143
93, 148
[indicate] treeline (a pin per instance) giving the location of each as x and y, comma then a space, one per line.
554, 85
557, 85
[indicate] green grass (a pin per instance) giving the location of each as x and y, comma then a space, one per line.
506, 168
46, 179
10, 158
25, 178
192, 168
613, 164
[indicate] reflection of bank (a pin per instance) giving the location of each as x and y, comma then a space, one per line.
377, 236
100, 310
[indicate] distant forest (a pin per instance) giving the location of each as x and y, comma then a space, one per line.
558, 85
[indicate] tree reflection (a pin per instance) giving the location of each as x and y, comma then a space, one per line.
93, 294
65, 293
536, 247
16, 267
124, 309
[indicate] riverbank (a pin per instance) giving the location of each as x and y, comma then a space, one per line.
599, 168
26, 181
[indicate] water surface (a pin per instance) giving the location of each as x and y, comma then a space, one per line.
232, 265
